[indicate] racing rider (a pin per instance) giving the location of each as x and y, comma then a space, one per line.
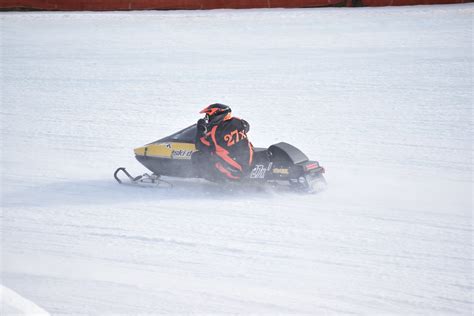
221, 140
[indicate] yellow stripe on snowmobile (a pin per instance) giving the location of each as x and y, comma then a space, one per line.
167, 150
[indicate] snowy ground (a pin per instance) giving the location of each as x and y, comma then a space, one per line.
381, 97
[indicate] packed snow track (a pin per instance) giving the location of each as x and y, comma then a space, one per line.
381, 97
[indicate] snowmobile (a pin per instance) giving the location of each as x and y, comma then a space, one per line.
279, 165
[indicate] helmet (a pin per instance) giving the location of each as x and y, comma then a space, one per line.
216, 112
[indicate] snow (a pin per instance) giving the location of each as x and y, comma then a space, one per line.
382, 97
13, 304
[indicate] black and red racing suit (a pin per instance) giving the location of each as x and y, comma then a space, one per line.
229, 147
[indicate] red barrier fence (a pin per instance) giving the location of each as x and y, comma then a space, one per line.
109, 5
106, 5
378, 3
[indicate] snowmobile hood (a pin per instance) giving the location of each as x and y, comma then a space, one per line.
170, 150
179, 145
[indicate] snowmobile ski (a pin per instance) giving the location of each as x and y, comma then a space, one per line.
144, 179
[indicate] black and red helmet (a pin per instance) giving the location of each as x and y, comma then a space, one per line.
216, 112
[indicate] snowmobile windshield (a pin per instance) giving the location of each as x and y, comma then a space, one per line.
186, 135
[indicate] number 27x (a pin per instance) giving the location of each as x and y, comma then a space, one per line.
234, 137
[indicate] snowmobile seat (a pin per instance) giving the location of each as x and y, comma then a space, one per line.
284, 151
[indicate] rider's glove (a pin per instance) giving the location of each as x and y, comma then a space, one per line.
246, 126
202, 126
